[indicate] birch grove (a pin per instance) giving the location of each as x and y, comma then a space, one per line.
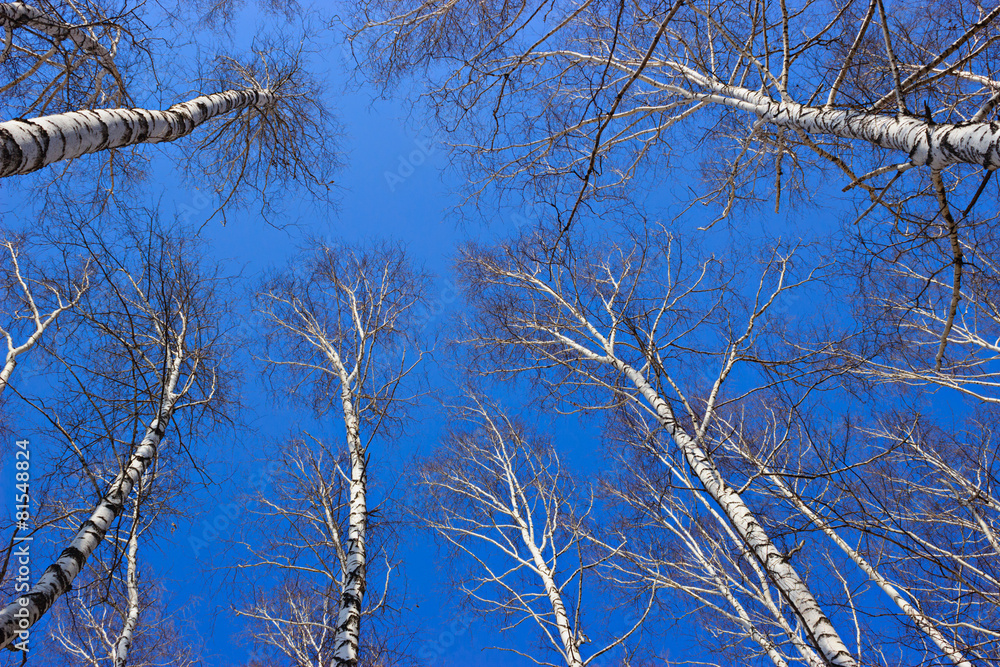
726, 370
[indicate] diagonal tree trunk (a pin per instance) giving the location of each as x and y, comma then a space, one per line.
747, 526
58, 577
927, 144
29, 145
18, 14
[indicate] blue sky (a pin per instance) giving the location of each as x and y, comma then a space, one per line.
395, 183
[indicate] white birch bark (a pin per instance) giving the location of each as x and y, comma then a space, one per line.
349, 617
743, 521
29, 145
570, 646
927, 144
119, 652
16, 14
58, 577
926, 625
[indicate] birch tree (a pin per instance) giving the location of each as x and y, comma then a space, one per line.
154, 332
918, 520
604, 322
60, 56
499, 495
581, 97
117, 617
303, 546
271, 128
261, 121
674, 540
33, 302
341, 321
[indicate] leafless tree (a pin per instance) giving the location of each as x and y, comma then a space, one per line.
498, 494
605, 325
62, 56
305, 508
149, 358
262, 121
33, 302
581, 96
341, 321
116, 617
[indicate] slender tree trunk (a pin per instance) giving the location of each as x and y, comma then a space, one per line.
571, 651
59, 576
8, 369
12, 354
349, 619
926, 143
124, 642
748, 527
925, 624
29, 145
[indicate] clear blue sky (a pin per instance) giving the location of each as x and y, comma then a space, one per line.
394, 183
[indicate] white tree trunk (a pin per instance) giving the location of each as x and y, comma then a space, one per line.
29, 145
919, 619
16, 14
746, 525
571, 649
59, 576
349, 619
926, 143
119, 652
41, 322
13, 352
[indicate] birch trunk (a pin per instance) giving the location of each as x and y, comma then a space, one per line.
925, 624
41, 323
349, 618
13, 352
59, 576
746, 525
17, 14
571, 651
8, 369
29, 145
119, 652
927, 144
